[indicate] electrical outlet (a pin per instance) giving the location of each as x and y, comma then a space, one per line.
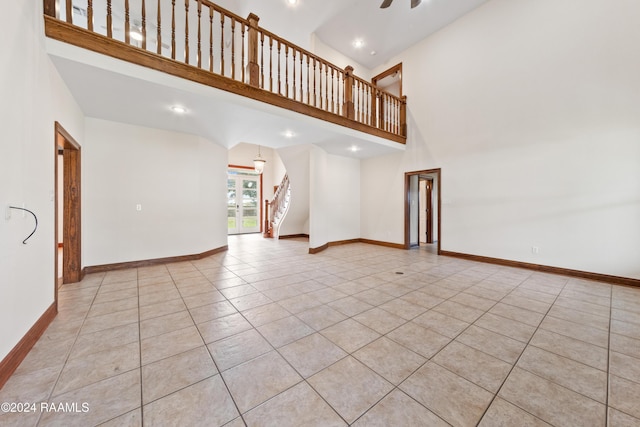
138, 207
535, 250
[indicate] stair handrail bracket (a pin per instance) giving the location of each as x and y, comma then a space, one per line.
203, 42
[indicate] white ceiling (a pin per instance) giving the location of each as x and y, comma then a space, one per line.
339, 22
139, 96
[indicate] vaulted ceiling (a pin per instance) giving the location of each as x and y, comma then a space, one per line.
338, 23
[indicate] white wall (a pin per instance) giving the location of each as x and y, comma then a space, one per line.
34, 97
531, 110
180, 181
319, 48
343, 198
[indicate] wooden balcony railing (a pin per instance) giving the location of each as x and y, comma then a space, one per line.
200, 41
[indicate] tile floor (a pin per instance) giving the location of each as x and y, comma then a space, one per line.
266, 334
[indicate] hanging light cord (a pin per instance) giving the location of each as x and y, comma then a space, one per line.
24, 242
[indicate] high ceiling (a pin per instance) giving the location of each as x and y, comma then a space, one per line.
338, 23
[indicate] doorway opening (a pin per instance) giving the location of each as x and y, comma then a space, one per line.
244, 195
390, 80
423, 209
67, 213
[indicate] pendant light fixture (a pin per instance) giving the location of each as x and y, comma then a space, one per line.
258, 162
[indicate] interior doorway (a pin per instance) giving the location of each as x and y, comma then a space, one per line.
67, 213
244, 195
423, 208
390, 80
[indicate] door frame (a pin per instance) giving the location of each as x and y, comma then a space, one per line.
387, 73
429, 209
407, 205
260, 201
72, 201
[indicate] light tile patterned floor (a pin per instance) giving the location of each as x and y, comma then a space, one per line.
266, 334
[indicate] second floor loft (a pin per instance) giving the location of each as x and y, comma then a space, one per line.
204, 43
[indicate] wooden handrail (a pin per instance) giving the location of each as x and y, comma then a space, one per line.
218, 41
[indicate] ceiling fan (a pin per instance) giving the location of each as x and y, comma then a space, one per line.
386, 3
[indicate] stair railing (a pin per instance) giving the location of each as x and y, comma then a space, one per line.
275, 209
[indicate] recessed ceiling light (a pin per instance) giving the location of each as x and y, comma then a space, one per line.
358, 43
373, 53
136, 35
289, 134
354, 148
292, 2
178, 109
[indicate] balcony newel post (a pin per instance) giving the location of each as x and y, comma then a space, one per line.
403, 116
253, 68
348, 109
266, 218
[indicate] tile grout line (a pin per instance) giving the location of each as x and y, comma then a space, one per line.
518, 359
77, 335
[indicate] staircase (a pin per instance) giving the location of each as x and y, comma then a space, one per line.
276, 209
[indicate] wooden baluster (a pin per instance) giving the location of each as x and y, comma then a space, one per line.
127, 24
211, 39
262, 60
279, 60
301, 85
90, 15
314, 83
254, 67
293, 61
374, 104
199, 34
361, 101
221, 44
403, 116
242, 29
366, 100
186, 31
380, 99
109, 19
159, 32
233, 48
326, 86
173, 29
308, 81
348, 107
69, 11
332, 89
270, 64
356, 101
286, 70
361, 88
397, 116
143, 22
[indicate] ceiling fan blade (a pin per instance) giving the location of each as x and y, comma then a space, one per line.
415, 3
386, 3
